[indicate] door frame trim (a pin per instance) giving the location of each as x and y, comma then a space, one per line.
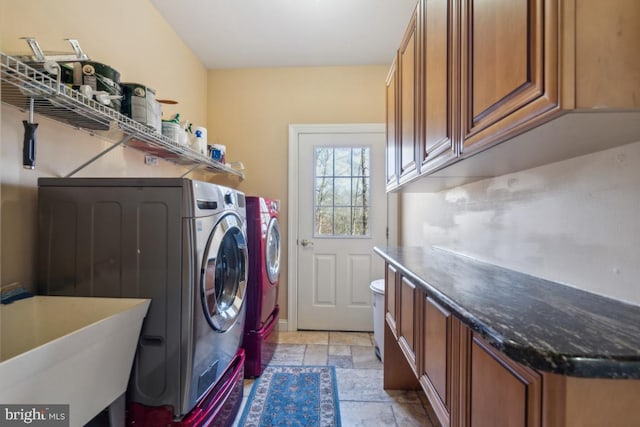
295, 130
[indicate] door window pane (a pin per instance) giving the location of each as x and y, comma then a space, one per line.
324, 191
361, 162
361, 192
342, 191
360, 221
324, 221
324, 161
341, 221
343, 161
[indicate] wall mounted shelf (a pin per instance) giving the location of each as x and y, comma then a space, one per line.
21, 83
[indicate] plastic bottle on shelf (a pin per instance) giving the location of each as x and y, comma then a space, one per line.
201, 135
197, 146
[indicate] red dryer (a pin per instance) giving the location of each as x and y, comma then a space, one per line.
261, 325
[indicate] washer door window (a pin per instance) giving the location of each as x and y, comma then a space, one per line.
272, 249
224, 273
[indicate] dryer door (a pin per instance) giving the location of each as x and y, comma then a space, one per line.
224, 273
272, 249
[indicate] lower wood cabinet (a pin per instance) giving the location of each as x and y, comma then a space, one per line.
470, 383
407, 325
467, 381
391, 290
400, 332
437, 358
499, 392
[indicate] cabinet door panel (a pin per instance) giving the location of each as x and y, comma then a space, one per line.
503, 393
392, 134
436, 357
437, 322
500, 52
509, 67
406, 328
390, 297
439, 61
407, 83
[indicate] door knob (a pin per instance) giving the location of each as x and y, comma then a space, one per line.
306, 243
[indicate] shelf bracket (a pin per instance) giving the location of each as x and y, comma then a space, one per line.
96, 157
190, 170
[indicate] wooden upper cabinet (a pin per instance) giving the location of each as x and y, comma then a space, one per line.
606, 58
439, 44
509, 69
525, 62
407, 83
391, 128
473, 74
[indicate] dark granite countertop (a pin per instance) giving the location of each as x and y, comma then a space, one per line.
541, 324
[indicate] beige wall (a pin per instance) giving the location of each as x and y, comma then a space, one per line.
250, 110
575, 221
130, 36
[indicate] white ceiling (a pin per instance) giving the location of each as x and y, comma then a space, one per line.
287, 33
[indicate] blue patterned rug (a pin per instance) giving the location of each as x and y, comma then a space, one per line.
298, 396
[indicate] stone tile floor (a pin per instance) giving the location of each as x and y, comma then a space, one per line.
363, 401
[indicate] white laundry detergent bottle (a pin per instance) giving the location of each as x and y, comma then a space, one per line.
201, 137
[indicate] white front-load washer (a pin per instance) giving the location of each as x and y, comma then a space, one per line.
181, 243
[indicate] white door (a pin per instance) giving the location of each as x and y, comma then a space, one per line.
341, 215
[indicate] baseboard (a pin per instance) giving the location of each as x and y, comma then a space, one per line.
283, 325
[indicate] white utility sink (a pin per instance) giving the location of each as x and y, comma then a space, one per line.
68, 350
